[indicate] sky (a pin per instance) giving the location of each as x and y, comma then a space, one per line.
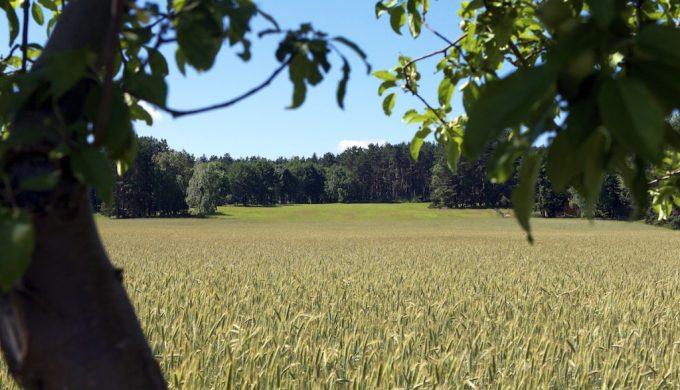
261, 125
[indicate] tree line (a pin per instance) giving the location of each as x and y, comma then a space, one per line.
167, 182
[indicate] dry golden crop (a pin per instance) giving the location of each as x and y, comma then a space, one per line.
399, 296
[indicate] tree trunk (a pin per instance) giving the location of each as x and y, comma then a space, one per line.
69, 323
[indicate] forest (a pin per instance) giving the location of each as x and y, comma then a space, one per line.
165, 182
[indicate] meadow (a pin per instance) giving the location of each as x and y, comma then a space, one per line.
401, 296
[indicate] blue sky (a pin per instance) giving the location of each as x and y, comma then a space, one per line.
261, 126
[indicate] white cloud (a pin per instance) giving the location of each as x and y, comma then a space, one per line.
360, 143
155, 113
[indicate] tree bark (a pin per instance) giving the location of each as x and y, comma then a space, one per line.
69, 323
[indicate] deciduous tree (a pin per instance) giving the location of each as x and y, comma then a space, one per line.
66, 113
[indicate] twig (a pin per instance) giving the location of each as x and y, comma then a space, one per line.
435, 32
670, 174
12, 50
103, 111
407, 86
436, 52
179, 113
422, 99
158, 43
517, 53
24, 36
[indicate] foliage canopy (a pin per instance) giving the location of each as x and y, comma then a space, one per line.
91, 89
598, 78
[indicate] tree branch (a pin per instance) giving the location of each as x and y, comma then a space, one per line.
670, 174
12, 50
24, 36
434, 53
518, 54
433, 31
258, 88
407, 86
422, 99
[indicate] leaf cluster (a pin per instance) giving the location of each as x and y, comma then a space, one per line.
597, 79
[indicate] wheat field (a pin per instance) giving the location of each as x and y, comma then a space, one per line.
400, 296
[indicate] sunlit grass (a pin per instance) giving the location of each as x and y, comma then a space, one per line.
363, 296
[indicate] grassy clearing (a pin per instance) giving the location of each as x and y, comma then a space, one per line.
363, 296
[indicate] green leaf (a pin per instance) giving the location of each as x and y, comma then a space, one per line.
503, 28
117, 135
159, 66
561, 164
523, 194
388, 103
39, 183
181, 61
12, 20
471, 43
397, 18
470, 95
147, 87
662, 43
445, 91
178, 5
453, 151
629, 112
342, 86
380, 9
356, 49
92, 168
662, 80
591, 154
417, 142
385, 75
66, 69
415, 22
412, 116
136, 37
49, 4
298, 71
51, 23
385, 86
138, 112
506, 103
501, 165
299, 94
17, 240
37, 13
270, 19
603, 12
198, 35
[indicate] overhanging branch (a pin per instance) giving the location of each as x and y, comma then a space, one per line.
436, 52
179, 113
